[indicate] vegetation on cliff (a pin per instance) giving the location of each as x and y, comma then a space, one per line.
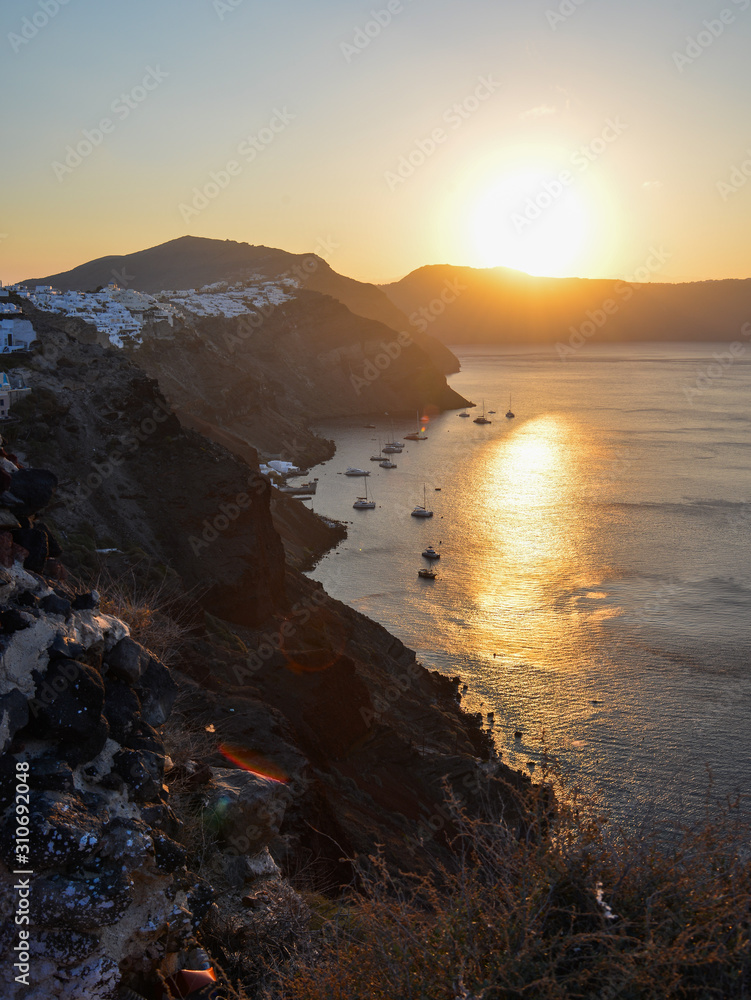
569, 910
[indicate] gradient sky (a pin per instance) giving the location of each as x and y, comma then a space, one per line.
351, 108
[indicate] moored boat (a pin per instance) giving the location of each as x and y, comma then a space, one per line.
422, 511
303, 488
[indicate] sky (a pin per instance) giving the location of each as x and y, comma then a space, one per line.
597, 138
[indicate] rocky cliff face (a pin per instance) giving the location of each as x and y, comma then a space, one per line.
96, 890
261, 381
190, 262
302, 734
132, 479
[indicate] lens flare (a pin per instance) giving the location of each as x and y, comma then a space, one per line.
251, 760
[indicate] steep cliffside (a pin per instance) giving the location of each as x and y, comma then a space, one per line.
261, 381
300, 726
190, 262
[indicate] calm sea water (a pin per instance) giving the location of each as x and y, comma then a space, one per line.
594, 584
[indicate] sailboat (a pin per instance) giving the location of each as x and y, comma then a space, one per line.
393, 445
363, 503
422, 511
483, 419
509, 412
379, 456
417, 435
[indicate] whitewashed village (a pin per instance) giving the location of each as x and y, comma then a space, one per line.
120, 315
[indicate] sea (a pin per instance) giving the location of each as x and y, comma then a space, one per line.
594, 580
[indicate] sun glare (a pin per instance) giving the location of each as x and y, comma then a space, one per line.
533, 222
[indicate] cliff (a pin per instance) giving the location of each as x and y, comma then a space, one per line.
286, 732
192, 262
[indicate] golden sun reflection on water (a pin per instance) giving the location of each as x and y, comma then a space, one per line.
532, 539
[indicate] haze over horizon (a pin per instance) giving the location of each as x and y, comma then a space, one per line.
560, 138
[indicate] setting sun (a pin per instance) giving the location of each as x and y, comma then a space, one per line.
532, 221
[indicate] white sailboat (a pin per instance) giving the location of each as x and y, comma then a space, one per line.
393, 445
483, 419
419, 434
364, 503
422, 511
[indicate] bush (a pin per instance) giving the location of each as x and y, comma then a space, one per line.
151, 602
568, 911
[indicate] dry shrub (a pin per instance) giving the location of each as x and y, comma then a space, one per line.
154, 606
569, 910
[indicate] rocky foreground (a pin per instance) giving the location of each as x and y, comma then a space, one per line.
202, 772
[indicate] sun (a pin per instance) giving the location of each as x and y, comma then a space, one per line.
533, 220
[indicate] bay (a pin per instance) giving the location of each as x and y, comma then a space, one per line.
594, 587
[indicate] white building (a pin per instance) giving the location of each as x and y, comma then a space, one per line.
9, 394
16, 335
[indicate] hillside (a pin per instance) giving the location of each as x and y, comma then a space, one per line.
192, 262
254, 366
499, 306
175, 535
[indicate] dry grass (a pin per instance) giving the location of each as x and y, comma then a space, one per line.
520, 918
158, 612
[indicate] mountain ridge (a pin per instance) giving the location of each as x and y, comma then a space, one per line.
498, 305
193, 261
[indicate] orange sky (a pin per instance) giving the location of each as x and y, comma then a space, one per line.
562, 139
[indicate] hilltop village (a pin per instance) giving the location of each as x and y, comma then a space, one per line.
121, 313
